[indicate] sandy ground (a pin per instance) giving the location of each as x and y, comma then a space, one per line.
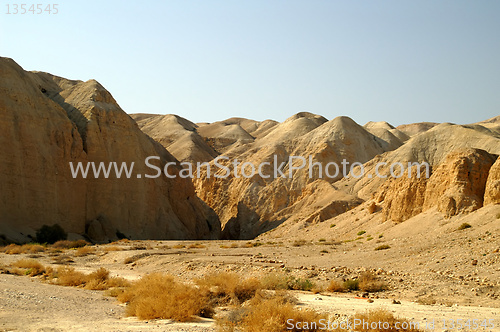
28, 304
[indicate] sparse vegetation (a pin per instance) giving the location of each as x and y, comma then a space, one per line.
332, 225
361, 233
373, 317
299, 243
464, 226
196, 246
65, 244
15, 249
269, 314
29, 267
161, 296
383, 247
50, 234
368, 282
84, 251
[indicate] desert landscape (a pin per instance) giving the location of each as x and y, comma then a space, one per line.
236, 253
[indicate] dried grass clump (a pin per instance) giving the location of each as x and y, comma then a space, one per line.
161, 296
66, 244
67, 276
464, 226
336, 286
196, 246
368, 282
97, 280
112, 248
84, 251
299, 243
225, 287
375, 320
277, 281
269, 315
383, 247
15, 249
29, 267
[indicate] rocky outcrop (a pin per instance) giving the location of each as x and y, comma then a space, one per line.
48, 122
250, 206
457, 185
492, 191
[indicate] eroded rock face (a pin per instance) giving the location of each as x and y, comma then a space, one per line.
457, 185
492, 191
47, 122
250, 206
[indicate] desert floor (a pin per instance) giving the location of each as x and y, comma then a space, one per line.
459, 289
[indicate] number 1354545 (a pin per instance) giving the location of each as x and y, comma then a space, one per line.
26, 8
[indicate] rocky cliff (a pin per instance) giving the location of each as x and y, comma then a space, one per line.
48, 121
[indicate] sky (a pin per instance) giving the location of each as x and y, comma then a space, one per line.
396, 61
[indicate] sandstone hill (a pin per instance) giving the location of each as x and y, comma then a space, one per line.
460, 181
47, 122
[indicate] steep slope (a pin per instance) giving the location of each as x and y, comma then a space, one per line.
177, 135
248, 206
222, 137
456, 186
430, 147
392, 137
50, 121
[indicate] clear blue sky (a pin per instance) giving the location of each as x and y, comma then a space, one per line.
398, 61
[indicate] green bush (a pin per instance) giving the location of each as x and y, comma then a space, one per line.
50, 234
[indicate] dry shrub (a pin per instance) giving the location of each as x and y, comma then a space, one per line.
196, 246
275, 281
66, 244
383, 247
336, 286
62, 259
368, 282
382, 316
67, 276
112, 248
161, 296
14, 249
299, 243
179, 246
97, 280
225, 287
29, 267
464, 226
134, 258
84, 251
270, 315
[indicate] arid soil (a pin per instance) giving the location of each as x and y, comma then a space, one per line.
458, 290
